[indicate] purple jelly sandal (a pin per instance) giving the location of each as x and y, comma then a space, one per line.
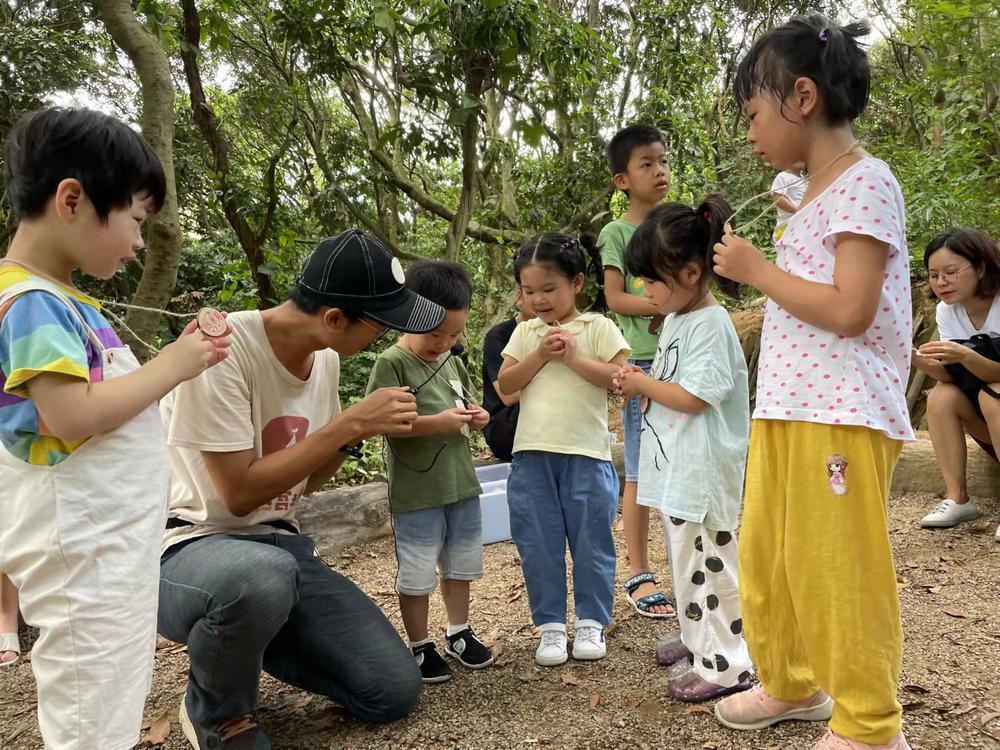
671, 653
690, 688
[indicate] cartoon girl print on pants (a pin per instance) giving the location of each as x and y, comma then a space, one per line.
836, 469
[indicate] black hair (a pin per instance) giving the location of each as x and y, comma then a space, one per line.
309, 306
566, 255
809, 46
978, 248
674, 235
626, 140
442, 282
111, 161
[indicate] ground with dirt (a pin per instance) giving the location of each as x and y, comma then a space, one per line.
950, 687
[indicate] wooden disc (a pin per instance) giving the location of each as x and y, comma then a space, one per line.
212, 322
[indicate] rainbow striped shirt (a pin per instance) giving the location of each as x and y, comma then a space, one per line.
39, 334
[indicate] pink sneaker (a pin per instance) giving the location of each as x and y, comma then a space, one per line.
834, 741
755, 709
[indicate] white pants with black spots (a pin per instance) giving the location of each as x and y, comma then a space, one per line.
704, 566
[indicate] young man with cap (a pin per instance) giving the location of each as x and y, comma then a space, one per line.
239, 584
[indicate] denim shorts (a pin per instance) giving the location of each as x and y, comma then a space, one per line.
447, 539
632, 427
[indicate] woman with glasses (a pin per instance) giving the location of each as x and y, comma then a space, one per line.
963, 266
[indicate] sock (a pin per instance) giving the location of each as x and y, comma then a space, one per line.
414, 644
453, 629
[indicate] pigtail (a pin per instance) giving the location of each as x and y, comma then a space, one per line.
841, 58
594, 269
715, 211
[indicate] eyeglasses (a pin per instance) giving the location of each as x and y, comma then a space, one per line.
948, 276
379, 331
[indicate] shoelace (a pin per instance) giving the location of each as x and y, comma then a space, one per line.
942, 507
551, 638
591, 636
238, 725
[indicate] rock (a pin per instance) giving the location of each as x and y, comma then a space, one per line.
345, 516
917, 470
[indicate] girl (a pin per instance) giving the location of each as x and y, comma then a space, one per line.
816, 575
963, 266
562, 484
695, 428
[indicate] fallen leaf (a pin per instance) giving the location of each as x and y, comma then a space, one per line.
634, 703
902, 583
569, 678
913, 705
514, 597
957, 613
529, 676
709, 746
650, 710
916, 689
962, 710
372, 554
989, 717
934, 589
981, 527
698, 709
159, 730
595, 701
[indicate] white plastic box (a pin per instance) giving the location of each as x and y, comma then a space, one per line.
493, 502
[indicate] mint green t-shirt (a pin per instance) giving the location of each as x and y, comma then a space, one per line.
612, 241
452, 477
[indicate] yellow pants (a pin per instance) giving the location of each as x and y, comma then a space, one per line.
817, 583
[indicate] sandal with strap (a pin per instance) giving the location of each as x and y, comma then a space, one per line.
643, 604
690, 688
9, 642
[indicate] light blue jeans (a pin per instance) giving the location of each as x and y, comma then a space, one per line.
555, 498
632, 427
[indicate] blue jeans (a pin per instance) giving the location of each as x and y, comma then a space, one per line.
632, 427
247, 603
555, 498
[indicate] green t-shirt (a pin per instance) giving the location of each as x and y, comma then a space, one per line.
612, 241
452, 477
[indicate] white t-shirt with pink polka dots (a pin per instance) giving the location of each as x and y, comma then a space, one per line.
808, 374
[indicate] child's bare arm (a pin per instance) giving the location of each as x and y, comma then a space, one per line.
73, 409
782, 202
442, 423
619, 300
846, 307
601, 374
515, 375
673, 396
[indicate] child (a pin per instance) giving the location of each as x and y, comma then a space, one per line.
433, 490
694, 440
786, 191
84, 497
562, 484
816, 574
503, 409
640, 169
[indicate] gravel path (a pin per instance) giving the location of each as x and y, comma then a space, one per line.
950, 687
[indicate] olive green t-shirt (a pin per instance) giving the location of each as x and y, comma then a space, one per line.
412, 485
612, 241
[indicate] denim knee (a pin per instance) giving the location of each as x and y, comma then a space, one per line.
393, 696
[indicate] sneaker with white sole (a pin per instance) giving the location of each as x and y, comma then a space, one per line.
997, 535
238, 733
588, 641
949, 513
551, 650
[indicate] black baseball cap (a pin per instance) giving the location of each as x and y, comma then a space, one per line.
354, 270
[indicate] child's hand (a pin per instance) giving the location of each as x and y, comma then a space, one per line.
569, 345
632, 380
480, 417
193, 352
553, 346
616, 380
737, 259
453, 420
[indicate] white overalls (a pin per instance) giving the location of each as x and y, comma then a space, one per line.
81, 542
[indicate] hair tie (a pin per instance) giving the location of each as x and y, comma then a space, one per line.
824, 35
706, 215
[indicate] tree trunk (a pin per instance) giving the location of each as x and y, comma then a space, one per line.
159, 274
251, 241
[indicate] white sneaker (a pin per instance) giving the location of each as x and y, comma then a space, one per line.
948, 513
588, 640
551, 649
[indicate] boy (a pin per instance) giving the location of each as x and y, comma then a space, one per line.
787, 192
80, 533
640, 169
433, 489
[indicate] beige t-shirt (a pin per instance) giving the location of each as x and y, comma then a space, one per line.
247, 401
560, 411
